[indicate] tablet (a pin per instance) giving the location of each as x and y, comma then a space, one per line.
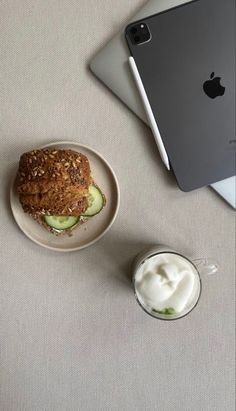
185, 57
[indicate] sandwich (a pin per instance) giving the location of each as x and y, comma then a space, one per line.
56, 188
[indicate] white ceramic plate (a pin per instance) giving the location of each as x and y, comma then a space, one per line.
89, 232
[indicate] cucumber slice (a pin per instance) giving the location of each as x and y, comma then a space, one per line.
96, 201
61, 222
166, 311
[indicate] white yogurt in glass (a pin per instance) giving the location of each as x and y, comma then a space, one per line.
167, 284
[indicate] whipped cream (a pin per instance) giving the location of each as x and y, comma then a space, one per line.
167, 283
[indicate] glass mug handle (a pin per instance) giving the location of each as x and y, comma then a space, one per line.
206, 266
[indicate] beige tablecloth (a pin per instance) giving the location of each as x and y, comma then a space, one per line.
72, 336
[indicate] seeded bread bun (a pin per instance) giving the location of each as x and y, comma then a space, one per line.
53, 182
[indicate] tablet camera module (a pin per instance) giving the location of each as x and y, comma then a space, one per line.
139, 34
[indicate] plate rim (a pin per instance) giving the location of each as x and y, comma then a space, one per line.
117, 205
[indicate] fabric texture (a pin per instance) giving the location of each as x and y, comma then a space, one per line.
72, 336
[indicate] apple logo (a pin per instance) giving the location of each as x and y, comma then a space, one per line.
212, 87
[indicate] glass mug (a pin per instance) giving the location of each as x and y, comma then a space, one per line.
163, 278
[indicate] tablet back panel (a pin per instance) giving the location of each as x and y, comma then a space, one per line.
188, 44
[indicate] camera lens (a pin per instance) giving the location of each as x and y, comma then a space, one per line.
138, 33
